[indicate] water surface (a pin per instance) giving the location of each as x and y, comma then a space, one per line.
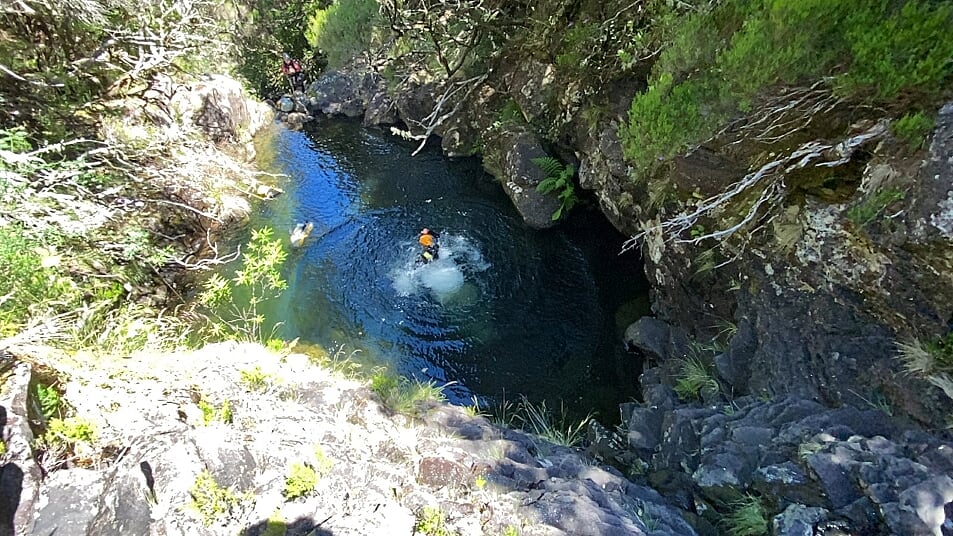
505, 311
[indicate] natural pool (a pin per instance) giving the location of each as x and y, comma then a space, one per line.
506, 311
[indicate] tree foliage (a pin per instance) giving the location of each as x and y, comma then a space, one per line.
270, 28
717, 61
344, 30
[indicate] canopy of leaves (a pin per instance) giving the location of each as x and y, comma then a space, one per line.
716, 62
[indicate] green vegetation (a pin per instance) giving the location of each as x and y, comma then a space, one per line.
558, 179
432, 522
49, 401
555, 427
695, 380
301, 481
807, 449
256, 380
913, 128
275, 525
344, 29
718, 61
747, 518
66, 439
33, 289
931, 360
873, 205
211, 413
402, 395
212, 501
235, 302
263, 32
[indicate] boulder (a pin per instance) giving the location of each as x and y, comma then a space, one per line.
520, 177
20, 475
656, 339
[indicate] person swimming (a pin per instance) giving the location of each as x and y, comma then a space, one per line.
431, 248
300, 233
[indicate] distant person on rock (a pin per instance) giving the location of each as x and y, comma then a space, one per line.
428, 241
293, 70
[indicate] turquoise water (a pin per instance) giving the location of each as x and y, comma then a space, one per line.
505, 311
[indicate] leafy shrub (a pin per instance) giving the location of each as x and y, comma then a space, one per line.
49, 400
343, 30
879, 52
211, 500
31, 286
896, 50
558, 179
668, 116
301, 480
235, 302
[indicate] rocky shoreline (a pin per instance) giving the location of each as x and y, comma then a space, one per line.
821, 424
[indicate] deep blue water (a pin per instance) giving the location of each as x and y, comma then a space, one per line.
506, 311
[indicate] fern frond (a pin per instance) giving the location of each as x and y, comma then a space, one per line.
550, 166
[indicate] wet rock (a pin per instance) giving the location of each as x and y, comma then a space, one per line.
520, 177
787, 483
336, 93
644, 427
798, 520
656, 339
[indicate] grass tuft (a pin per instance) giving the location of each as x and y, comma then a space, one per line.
404, 396
552, 426
747, 518
695, 380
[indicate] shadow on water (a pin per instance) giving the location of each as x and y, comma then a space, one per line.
505, 310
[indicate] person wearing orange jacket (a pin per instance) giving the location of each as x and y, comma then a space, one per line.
428, 241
